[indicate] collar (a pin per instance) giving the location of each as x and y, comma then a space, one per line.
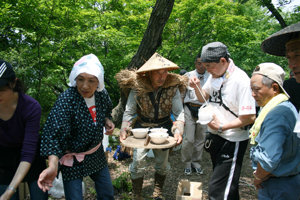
229, 70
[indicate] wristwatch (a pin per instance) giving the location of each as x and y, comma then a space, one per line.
220, 128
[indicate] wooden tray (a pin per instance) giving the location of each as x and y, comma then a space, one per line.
139, 143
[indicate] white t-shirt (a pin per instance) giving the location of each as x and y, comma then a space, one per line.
236, 95
90, 102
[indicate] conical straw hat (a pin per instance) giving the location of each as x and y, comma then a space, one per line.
275, 44
157, 62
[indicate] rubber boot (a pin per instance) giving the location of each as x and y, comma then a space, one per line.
158, 186
137, 185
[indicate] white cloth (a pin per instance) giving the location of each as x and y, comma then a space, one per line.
89, 64
190, 96
297, 127
236, 95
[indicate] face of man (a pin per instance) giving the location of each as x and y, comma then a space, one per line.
260, 92
158, 78
293, 56
216, 69
199, 67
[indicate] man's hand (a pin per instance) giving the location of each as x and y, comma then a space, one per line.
257, 184
194, 81
178, 138
109, 126
214, 123
123, 135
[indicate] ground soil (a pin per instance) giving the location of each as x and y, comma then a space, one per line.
119, 168
246, 187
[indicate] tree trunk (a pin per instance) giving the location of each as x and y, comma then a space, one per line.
153, 36
151, 41
274, 11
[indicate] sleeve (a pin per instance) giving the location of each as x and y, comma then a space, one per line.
32, 127
270, 140
57, 128
245, 100
177, 107
131, 107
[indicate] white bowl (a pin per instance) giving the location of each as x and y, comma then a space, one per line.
158, 130
158, 137
140, 132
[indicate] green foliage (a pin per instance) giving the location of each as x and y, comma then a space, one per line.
43, 39
242, 27
113, 143
123, 182
92, 191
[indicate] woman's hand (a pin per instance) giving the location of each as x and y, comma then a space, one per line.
109, 126
21, 172
7, 195
48, 175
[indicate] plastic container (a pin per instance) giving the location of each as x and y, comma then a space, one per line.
105, 141
205, 113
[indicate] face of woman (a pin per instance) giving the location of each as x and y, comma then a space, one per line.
6, 95
86, 84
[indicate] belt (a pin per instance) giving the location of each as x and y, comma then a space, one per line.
194, 105
68, 159
156, 121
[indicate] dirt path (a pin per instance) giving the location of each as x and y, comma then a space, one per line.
120, 168
117, 168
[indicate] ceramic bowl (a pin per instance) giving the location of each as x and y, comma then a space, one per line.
158, 130
158, 137
140, 132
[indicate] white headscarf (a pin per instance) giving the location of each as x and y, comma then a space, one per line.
89, 64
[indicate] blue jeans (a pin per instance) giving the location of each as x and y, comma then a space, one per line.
35, 192
103, 186
280, 188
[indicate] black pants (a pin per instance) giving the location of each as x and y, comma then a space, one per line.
227, 164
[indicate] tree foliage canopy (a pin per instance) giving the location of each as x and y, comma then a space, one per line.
43, 39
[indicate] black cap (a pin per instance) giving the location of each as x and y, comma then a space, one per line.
213, 52
6, 73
